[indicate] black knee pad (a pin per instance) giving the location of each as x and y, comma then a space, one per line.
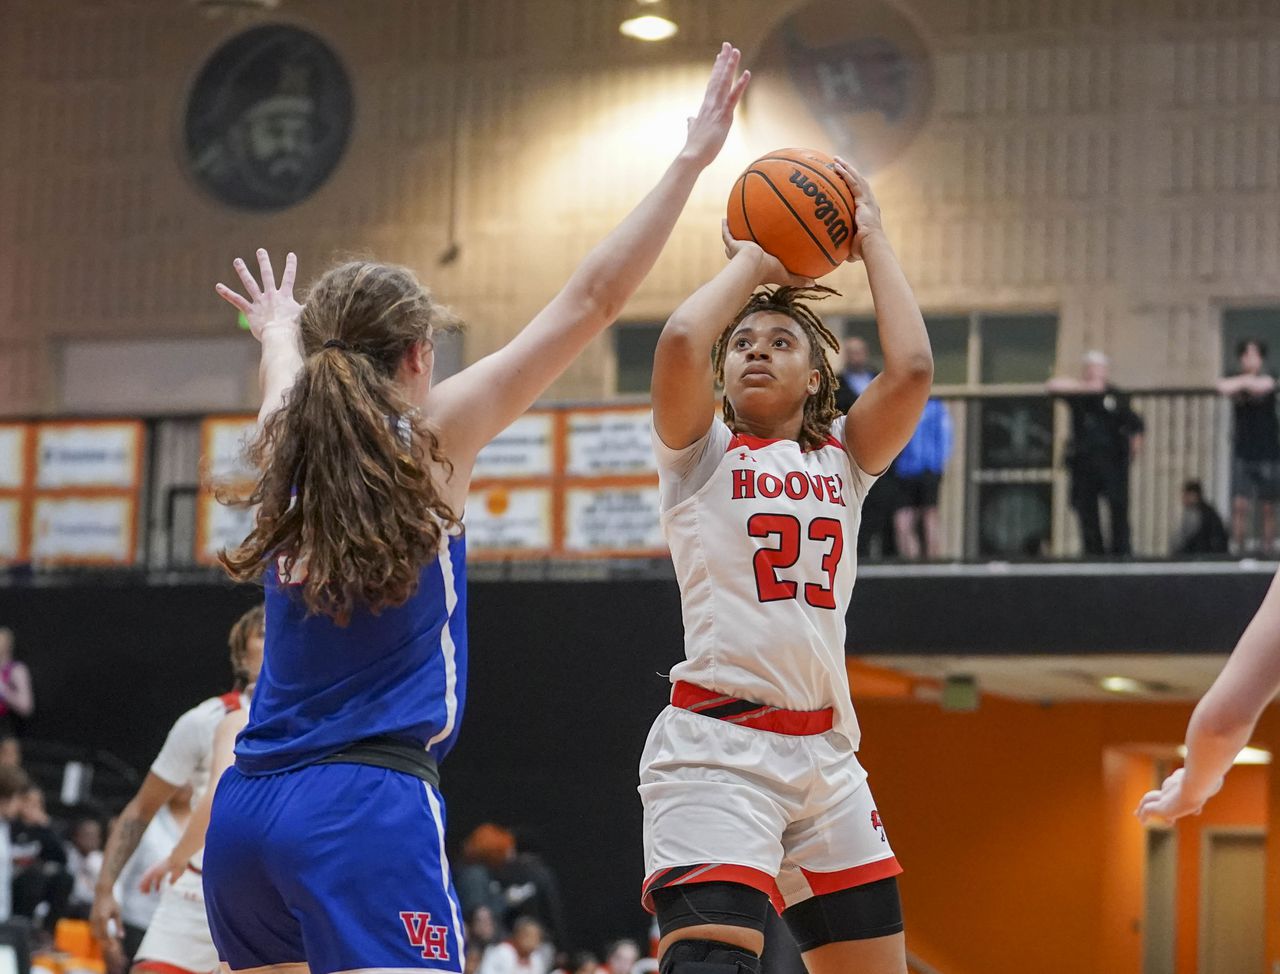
708, 957
861, 913
730, 904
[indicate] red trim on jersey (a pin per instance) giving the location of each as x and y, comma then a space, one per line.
160, 967
231, 701
713, 873
741, 440
711, 703
870, 872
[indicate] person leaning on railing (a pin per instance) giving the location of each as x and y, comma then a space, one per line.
1255, 450
1106, 434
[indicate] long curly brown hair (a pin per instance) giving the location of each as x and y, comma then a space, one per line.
348, 501
820, 408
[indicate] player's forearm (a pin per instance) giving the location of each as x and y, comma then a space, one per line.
121, 845
904, 341
615, 267
1214, 738
280, 364
701, 317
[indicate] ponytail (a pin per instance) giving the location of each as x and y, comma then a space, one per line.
349, 508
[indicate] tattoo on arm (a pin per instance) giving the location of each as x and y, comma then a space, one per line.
122, 844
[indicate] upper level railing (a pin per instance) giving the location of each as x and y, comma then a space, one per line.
578, 483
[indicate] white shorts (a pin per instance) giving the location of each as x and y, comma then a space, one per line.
791, 816
178, 936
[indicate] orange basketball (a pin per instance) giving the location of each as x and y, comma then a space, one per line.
794, 204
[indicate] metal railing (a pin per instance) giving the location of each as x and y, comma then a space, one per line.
1004, 495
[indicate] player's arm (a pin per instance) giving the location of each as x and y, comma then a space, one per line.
192, 839
273, 316
475, 405
884, 417
121, 844
1224, 719
683, 388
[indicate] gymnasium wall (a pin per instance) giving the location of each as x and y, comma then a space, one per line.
1118, 162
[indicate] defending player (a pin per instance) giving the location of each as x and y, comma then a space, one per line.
326, 842
752, 790
1224, 718
177, 939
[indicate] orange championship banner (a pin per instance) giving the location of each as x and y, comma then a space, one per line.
16, 443
222, 463
84, 492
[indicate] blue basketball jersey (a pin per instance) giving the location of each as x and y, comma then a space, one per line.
401, 673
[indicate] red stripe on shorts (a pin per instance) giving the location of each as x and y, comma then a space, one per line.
714, 872
796, 723
870, 872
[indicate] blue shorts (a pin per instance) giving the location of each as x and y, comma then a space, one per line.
338, 866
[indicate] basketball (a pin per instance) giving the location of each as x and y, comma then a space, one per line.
794, 204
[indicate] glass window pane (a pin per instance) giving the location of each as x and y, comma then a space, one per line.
950, 340
949, 336
634, 344
1018, 348
1241, 323
1014, 520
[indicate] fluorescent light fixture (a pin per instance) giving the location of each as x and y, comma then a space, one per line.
648, 27
1121, 684
1247, 755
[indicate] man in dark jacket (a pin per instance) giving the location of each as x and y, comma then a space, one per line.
1105, 437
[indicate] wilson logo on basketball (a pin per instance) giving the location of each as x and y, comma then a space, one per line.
824, 208
433, 941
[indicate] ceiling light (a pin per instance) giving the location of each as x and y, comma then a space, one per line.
1121, 684
648, 21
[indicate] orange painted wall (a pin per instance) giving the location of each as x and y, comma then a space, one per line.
1243, 801
1010, 823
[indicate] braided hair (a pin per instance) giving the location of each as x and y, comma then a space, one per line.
820, 408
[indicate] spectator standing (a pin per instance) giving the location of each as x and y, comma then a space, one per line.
919, 470
853, 378
1255, 467
1202, 531
17, 699
1106, 434
855, 374
521, 954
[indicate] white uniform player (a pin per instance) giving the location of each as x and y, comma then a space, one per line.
763, 537
177, 939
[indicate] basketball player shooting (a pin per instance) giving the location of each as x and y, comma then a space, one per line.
753, 794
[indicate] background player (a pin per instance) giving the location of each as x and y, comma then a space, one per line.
752, 791
1224, 718
326, 842
178, 936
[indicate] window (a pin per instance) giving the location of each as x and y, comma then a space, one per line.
1242, 323
634, 343
987, 349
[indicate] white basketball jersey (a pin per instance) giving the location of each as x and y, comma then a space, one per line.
764, 540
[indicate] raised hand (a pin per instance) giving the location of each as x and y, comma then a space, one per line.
1171, 802
267, 306
771, 269
710, 127
866, 211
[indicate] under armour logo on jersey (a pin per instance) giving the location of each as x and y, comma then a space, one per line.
878, 825
433, 940
744, 455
